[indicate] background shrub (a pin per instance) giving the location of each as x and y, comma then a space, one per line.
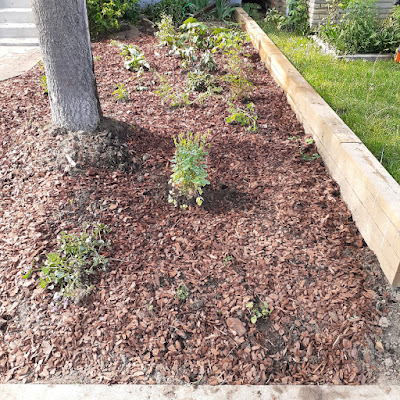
105, 15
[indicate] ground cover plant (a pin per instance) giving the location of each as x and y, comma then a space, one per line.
173, 304
364, 94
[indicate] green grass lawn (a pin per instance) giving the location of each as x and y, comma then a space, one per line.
366, 95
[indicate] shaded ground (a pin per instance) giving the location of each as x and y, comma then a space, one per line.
273, 228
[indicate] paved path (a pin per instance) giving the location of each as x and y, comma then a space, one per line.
15, 60
168, 392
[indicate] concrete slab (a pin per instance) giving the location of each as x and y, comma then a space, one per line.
169, 392
15, 61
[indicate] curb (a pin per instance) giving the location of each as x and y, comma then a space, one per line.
169, 392
371, 194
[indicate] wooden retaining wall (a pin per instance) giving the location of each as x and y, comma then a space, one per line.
371, 194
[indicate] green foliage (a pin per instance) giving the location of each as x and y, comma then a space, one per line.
189, 167
182, 292
194, 33
201, 81
166, 32
240, 87
120, 93
43, 84
134, 59
359, 30
257, 311
252, 9
77, 256
178, 9
224, 9
225, 39
104, 15
170, 96
296, 21
243, 116
207, 62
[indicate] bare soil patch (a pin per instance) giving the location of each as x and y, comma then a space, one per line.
272, 228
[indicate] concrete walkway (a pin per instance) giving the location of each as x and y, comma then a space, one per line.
168, 392
16, 60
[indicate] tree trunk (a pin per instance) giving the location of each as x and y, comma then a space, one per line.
67, 56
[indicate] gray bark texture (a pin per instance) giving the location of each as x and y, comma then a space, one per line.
67, 56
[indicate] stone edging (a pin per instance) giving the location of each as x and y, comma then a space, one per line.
371, 194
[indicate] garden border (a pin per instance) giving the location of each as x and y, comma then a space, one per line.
370, 192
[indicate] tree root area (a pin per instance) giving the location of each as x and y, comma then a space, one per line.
273, 228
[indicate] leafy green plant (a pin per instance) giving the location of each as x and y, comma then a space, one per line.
166, 31
170, 96
224, 9
201, 81
226, 39
187, 53
134, 59
207, 62
358, 29
257, 311
243, 116
308, 157
177, 9
182, 292
296, 21
43, 84
67, 270
194, 33
189, 168
104, 15
252, 9
240, 86
120, 93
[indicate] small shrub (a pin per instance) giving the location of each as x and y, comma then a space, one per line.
189, 168
177, 9
67, 270
296, 21
166, 31
134, 59
207, 62
200, 81
243, 116
252, 9
170, 96
258, 311
120, 93
104, 15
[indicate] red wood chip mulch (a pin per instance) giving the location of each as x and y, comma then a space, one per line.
272, 228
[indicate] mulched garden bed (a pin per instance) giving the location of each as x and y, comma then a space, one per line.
272, 228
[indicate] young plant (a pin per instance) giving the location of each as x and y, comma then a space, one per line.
257, 311
182, 292
43, 84
67, 270
305, 156
43, 79
200, 81
166, 31
134, 59
189, 168
207, 62
237, 76
171, 96
243, 116
120, 93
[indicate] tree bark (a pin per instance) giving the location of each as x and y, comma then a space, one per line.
67, 56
